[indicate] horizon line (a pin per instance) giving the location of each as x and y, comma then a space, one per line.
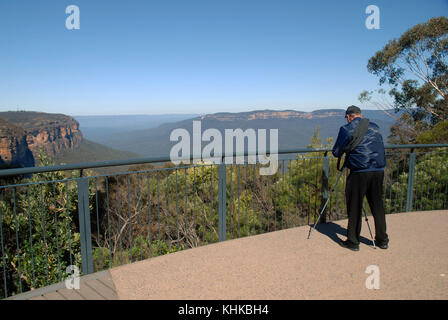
182, 113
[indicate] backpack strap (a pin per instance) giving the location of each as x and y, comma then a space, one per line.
355, 139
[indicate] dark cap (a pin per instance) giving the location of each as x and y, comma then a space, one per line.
352, 109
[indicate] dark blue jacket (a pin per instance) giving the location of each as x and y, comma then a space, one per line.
369, 155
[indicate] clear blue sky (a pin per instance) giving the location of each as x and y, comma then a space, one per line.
194, 56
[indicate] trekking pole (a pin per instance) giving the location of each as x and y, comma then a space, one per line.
368, 225
326, 202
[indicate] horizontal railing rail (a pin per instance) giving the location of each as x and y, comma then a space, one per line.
126, 162
50, 222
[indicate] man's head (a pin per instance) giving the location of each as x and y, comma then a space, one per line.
352, 113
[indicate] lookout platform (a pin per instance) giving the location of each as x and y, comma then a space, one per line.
285, 265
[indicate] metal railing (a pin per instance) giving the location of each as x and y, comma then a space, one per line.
50, 219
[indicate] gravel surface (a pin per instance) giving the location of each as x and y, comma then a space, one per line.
285, 265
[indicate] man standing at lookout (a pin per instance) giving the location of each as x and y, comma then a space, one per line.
366, 163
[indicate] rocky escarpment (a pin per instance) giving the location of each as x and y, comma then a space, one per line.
273, 114
51, 133
14, 148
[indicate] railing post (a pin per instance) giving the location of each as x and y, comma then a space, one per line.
84, 225
222, 201
325, 170
410, 181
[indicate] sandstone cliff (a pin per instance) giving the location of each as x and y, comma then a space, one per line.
13, 146
52, 133
272, 114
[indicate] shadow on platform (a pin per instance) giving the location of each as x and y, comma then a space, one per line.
332, 230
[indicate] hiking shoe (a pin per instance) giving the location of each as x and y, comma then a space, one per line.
348, 245
383, 246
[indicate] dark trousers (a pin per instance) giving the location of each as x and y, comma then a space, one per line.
369, 184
